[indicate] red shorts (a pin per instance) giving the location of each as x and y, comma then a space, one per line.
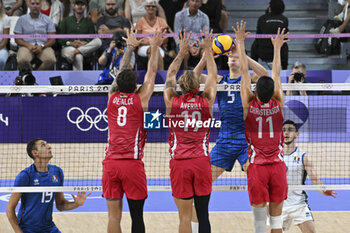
190, 177
124, 176
267, 183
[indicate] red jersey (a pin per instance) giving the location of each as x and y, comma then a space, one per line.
189, 126
263, 132
126, 135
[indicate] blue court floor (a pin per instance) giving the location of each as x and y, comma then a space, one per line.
221, 201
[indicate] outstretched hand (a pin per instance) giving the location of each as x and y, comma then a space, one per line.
280, 38
131, 39
240, 31
207, 40
157, 39
329, 193
80, 198
184, 45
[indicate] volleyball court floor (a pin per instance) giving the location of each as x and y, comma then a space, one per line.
221, 201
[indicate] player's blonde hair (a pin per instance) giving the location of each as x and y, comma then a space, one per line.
188, 82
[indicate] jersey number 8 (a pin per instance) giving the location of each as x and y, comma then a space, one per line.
121, 120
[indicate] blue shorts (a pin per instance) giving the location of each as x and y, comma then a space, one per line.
52, 229
224, 155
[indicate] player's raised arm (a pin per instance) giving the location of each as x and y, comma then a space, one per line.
246, 91
313, 177
148, 83
170, 82
278, 42
258, 69
210, 84
131, 44
199, 69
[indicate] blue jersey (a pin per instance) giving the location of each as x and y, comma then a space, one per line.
35, 212
231, 114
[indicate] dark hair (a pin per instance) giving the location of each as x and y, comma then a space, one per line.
290, 122
126, 81
31, 146
277, 6
265, 88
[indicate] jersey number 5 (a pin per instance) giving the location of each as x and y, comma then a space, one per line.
269, 121
232, 95
121, 119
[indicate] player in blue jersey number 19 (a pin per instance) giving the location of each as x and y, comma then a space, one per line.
35, 212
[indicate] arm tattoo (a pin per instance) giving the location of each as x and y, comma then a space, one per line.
126, 58
172, 72
169, 84
175, 65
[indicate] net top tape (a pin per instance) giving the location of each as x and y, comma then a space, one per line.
92, 36
160, 87
160, 188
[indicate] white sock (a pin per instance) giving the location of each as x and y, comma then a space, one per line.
195, 227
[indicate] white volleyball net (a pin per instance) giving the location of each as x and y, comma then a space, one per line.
72, 119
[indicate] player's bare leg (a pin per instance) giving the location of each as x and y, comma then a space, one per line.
114, 215
215, 173
276, 212
307, 227
185, 214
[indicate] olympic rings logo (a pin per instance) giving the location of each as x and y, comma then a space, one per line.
85, 116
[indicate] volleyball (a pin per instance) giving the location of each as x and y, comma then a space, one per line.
222, 44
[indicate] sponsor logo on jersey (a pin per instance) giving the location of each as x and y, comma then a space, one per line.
151, 120
36, 182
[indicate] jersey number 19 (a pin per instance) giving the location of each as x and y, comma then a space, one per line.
46, 197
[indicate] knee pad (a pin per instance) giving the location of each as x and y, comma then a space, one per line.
276, 222
260, 217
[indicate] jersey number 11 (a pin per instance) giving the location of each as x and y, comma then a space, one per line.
269, 121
